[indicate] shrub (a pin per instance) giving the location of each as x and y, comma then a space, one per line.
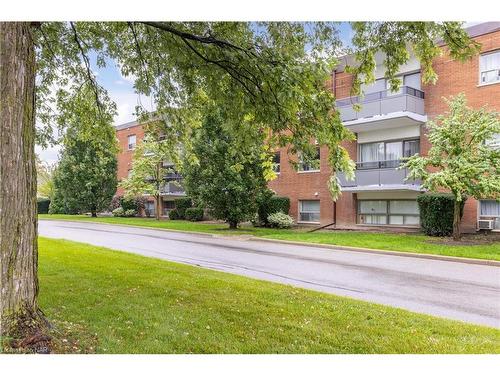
115, 202
174, 215
270, 204
119, 212
181, 205
194, 214
43, 205
280, 220
130, 213
128, 203
436, 213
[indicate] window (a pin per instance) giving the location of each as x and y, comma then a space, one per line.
309, 211
149, 208
386, 154
310, 166
413, 81
277, 162
489, 208
494, 142
489, 67
131, 141
388, 212
168, 206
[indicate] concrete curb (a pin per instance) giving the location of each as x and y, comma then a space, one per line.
484, 262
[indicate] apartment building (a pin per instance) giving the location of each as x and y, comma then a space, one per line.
390, 125
129, 134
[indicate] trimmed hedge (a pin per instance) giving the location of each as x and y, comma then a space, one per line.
436, 213
43, 205
194, 214
181, 205
269, 205
174, 215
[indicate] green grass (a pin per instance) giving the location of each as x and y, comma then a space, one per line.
416, 243
117, 302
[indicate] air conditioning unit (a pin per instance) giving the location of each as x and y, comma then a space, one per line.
486, 224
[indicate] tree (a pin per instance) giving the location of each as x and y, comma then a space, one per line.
45, 179
460, 159
273, 72
149, 171
225, 171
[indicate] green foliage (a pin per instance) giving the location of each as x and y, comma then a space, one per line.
436, 213
194, 214
119, 212
86, 175
174, 215
223, 171
128, 203
460, 159
280, 220
268, 204
181, 205
43, 205
44, 179
130, 213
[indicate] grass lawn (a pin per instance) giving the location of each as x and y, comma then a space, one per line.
114, 302
416, 243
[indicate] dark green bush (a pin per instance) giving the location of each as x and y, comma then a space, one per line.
194, 214
181, 205
436, 213
174, 215
270, 204
128, 204
43, 205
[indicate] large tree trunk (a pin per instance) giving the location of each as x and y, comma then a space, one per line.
19, 312
457, 217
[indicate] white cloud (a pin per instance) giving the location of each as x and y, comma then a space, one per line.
48, 155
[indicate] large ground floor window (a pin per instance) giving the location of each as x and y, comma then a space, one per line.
490, 209
388, 212
309, 211
168, 206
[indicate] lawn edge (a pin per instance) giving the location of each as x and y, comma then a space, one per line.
447, 258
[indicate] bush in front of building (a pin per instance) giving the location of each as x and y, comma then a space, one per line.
436, 213
174, 215
118, 212
194, 214
181, 205
270, 204
43, 205
280, 220
130, 213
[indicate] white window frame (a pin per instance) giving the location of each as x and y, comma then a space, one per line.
299, 211
387, 214
131, 146
301, 164
481, 83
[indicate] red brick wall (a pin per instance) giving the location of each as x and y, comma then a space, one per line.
456, 77
125, 155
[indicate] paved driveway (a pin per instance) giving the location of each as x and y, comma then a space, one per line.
456, 290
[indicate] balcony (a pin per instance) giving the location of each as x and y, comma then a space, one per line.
173, 185
379, 176
387, 108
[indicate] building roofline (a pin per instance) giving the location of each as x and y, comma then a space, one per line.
127, 125
474, 31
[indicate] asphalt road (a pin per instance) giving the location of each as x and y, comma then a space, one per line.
467, 292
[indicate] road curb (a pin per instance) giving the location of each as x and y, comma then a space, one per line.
484, 262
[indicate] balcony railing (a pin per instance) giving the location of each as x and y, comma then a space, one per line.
384, 172
173, 187
407, 99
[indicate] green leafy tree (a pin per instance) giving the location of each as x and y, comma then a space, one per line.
460, 160
149, 171
224, 171
45, 179
86, 174
272, 72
